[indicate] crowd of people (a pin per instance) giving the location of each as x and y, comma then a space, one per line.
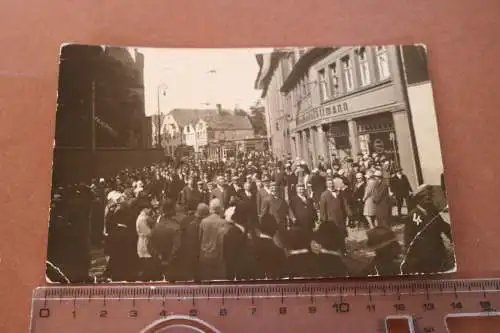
254, 217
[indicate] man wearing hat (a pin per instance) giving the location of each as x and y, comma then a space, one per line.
383, 241
263, 192
318, 185
382, 200
166, 240
235, 188
278, 208
401, 188
191, 242
302, 211
190, 196
222, 192
334, 209
426, 251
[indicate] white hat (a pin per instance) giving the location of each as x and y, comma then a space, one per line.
101, 180
377, 173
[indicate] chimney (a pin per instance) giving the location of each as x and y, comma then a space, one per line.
219, 109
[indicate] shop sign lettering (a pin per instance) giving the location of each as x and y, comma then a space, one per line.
323, 111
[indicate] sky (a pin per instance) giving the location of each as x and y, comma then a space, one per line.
200, 78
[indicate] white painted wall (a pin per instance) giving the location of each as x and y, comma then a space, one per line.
426, 132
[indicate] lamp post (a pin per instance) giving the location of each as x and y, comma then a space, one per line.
160, 89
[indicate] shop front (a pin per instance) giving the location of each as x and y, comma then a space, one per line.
338, 143
376, 134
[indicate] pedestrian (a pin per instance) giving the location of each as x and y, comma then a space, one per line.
212, 231
301, 262
278, 208
401, 188
382, 240
302, 211
382, 200
335, 210
425, 234
237, 245
328, 245
270, 260
369, 208
221, 192
190, 195
191, 243
357, 199
166, 239
148, 265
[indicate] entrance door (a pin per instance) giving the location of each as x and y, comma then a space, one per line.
384, 143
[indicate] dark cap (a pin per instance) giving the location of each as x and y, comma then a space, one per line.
380, 237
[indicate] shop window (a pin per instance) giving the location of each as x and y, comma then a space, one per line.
334, 80
323, 91
364, 67
348, 75
382, 62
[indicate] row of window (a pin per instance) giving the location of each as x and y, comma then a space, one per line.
334, 80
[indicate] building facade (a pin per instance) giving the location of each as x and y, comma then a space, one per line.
423, 113
219, 136
353, 101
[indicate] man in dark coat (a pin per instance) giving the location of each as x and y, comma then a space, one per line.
291, 181
382, 200
318, 183
203, 190
222, 192
301, 262
270, 260
248, 203
190, 244
302, 210
278, 208
166, 238
279, 178
262, 194
357, 203
328, 244
237, 246
190, 196
334, 209
426, 251
400, 187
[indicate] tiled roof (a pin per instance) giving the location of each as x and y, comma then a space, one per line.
187, 116
228, 122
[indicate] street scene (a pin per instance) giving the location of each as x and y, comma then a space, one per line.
246, 164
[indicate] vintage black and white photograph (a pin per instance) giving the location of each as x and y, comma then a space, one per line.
244, 164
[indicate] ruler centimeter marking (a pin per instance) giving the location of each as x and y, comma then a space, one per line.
293, 307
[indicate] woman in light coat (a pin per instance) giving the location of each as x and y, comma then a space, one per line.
147, 262
369, 209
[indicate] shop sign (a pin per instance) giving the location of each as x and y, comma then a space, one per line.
322, 111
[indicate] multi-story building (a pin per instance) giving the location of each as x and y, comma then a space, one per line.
175, 127
270, 80
218, 135
101, 124
423, 113
352, 101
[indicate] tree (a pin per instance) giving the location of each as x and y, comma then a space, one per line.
258, 120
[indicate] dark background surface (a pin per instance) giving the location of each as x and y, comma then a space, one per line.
464, 49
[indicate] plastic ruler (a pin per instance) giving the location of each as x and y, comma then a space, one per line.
353, 306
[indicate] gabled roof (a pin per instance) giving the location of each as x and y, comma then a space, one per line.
228, 122
186, 116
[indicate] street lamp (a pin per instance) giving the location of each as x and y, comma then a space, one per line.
162, 88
